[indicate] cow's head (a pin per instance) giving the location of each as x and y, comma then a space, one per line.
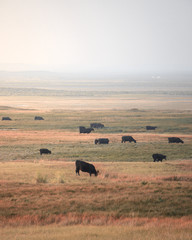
97, 172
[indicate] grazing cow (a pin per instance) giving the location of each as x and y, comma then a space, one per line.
150, 128
85, 167
44, 151
102, 141
158, 157
85, 130
175, 140
38, 118
96, 125
6, 119
128, 139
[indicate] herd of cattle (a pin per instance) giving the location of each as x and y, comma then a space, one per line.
87, 167
90, 168
9, 119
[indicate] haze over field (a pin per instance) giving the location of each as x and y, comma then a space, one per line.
66, 48
48, 90
62, 81
96, 38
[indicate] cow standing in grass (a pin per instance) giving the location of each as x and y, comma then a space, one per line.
38, 118
85, 167
102, 141
158, 157
6, 119
150, 127
128, 139
175, 140
96, 125
44, 151
85, 130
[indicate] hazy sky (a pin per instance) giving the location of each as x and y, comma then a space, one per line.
111, 36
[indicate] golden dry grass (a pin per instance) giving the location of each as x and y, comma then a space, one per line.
129, 101
143, 200
135, 229
120, 194
57, 136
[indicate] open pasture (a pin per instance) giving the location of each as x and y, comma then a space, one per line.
69, 146
46, 200
115, 121
87, 97
50, 192
135, 230
132, 196
21, 138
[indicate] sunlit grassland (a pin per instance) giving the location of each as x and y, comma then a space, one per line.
139, 152
114, 121
120, 190
45, 99
21, 138
152, 231
132, 197
23, 172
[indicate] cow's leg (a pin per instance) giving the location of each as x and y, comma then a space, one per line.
77, 171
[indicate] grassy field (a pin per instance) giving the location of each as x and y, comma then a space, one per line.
115, 121
45, 99
136, 231
128, 199
21, 138
46, 190
42, 198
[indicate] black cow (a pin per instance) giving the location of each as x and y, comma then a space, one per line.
102, 141
158, 157
85, 130
150, 128
175, 140
44, 151
128, 139
38, 118
96, 125
85, 167
6, 119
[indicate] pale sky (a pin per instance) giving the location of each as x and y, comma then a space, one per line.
111, 36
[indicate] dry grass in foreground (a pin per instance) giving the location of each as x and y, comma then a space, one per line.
122, 191
134, 230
